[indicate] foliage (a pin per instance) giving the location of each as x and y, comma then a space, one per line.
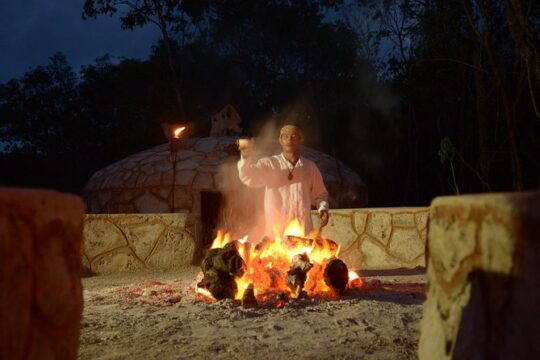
375, 83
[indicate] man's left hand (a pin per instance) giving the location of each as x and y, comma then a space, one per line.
323, 215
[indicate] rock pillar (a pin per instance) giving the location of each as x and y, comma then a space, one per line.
40, 262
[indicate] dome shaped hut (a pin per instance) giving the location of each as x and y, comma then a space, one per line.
205, 182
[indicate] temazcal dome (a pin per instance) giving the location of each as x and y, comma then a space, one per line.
143, 182
205, 182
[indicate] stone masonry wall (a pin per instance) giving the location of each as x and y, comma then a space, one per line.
379, 238
128, 242
370, 239
483, 278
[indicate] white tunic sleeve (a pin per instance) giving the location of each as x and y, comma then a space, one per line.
253, 175
319, 194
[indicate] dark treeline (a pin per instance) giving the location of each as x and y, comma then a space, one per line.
421, 98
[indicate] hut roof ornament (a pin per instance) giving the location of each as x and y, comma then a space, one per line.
226, 122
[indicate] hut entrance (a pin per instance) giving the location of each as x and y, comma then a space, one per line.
211, 202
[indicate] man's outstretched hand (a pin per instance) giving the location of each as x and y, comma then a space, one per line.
245, 146
323, 214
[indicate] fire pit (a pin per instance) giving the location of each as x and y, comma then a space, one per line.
274, 271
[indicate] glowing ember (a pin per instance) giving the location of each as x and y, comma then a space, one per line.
203, 292
178, 131
354, 280
268, 262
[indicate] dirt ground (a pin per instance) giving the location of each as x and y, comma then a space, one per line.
155, 315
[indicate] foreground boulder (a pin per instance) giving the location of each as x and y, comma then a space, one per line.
483, 278
40, 263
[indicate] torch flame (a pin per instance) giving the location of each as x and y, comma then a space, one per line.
178, 131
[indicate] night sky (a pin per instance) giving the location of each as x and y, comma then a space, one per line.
32, 30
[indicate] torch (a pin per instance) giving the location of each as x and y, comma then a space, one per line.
173, 133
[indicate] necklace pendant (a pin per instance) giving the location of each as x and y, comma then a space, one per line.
290, 177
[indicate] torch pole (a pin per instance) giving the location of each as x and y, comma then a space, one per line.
173, 161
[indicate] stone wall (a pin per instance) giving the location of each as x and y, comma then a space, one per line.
40, 288
483, 278
387, 238
128, 242
379, 238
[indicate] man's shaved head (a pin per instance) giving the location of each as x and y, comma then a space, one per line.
290, 139
291, 129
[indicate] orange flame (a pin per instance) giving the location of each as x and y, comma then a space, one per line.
178, 131
354, 280
221, 240
267, 264
294, 228
203, 292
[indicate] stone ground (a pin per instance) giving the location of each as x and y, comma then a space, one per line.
155, 315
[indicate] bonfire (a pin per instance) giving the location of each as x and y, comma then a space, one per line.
292, 265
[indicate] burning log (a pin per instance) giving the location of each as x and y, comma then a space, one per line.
315, 274
296, 276
301, 262
208, 261
264, 244
220, 285
248, 299
229, 261
355, 281
294, 241
226, 260
327, 243
220, 267
336, 275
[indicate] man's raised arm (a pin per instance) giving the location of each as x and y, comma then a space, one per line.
252, 175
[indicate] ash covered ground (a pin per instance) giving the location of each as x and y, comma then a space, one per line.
156, 315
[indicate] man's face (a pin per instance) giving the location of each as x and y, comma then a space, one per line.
290, 141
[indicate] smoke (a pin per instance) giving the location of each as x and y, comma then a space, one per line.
303, 112
374, 126
374, 92
242, 210
364, 136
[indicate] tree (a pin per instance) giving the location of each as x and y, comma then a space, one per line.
524, 29
173, 18
467, 87
40, 107
43, 126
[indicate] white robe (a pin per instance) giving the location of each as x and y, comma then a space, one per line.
284, 199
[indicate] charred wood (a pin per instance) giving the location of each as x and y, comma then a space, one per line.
248, 299
293, 241
226, 260
264, 244
336, 274
220, 267
220, 284
296, 276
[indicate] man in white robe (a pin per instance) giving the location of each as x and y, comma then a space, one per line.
292, 183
